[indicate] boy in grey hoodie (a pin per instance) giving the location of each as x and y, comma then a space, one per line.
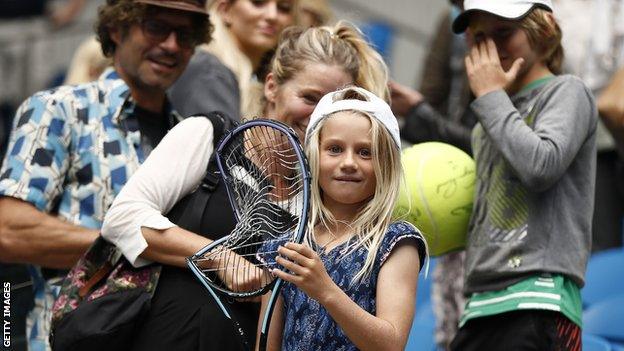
534, 145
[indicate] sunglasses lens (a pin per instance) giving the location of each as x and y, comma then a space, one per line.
155, 30
186, 38
158, 31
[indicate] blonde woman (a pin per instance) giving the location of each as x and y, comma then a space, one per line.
88, 63
352, 286
307, 65
222, 75
314, 13
308, 62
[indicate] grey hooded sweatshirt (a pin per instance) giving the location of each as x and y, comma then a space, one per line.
534, 197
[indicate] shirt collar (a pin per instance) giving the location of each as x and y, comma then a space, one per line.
116, 95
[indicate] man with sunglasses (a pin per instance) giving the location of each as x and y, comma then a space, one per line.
72, 148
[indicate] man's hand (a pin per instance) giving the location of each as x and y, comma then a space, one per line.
484, 70
403, 98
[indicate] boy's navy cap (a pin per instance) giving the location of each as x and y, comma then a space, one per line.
508, 9
197, 6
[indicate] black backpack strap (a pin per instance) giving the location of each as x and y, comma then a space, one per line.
188, 212
221, 124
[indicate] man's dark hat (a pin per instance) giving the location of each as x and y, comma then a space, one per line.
197, 6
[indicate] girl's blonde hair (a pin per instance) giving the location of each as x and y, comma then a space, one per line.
372, 221
341, 45
544, 36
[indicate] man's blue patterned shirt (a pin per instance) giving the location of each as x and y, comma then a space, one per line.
71, 150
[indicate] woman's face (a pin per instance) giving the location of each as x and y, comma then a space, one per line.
257, 24
293, 101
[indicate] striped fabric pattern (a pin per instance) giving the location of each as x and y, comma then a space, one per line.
539, 292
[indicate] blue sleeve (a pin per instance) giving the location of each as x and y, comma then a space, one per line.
268, 251
37, 159
397, 232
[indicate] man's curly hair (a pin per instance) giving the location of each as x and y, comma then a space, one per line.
122, 14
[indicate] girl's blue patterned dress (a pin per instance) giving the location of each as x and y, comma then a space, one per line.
307, 325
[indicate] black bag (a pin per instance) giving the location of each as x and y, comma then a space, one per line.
104, 298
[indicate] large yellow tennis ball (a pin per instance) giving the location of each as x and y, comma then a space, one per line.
440, 181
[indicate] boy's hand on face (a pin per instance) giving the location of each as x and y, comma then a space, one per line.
484, 70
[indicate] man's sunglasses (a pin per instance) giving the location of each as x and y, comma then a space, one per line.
158, 31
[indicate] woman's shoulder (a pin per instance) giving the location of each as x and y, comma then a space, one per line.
400, 231
197, 124
206, 62
193, 133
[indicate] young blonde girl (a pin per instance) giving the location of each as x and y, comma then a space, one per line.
352, 285
535, 149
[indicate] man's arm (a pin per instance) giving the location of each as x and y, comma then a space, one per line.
28, 235
435, 84
611, 108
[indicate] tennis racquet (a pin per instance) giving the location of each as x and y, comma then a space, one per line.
267, 179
